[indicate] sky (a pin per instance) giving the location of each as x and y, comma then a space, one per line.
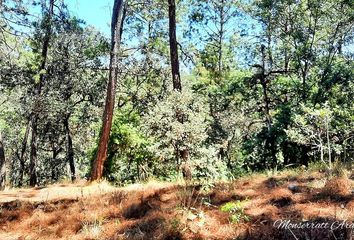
94, 12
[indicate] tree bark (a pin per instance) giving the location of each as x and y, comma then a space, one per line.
263, 81
22, 156
176, 77
176, 80
285, 42
37, 93
2, 164
33, 153
55, 153
116, 25
221, 38
328, 143
70, 149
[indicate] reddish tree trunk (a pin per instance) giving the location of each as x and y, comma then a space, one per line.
116, 25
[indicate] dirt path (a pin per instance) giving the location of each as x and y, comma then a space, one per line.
54, 192
68, 191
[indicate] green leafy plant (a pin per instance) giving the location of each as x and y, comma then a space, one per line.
236, 211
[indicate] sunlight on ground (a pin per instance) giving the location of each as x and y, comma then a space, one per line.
245, 208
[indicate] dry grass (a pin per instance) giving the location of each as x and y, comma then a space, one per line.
170, 211
57, 191
337, 187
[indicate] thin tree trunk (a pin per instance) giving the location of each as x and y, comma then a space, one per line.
221, 37
55, 153
265, 90
33, 153
176, 80
23, 151
116, 25
286, 57
176, 77
328, 143
38, 90
321, 150
2, 164
285, 152
70, 149
304, 70
269, 49
270, 141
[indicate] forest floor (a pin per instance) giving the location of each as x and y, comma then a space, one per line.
251, 207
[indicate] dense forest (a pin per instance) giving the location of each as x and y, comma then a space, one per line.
200, 90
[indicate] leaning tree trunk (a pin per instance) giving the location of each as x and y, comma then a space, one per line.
176, 80
22, 156
116, 25
2, 164
37, 93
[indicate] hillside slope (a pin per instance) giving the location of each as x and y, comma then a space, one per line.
249, 208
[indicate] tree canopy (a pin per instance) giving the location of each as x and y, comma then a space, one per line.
211, 89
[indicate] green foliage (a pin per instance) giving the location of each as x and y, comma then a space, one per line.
267, 87
314, 128
236, 211
170, 135
129, 158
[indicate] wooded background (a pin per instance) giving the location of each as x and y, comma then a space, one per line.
206, 89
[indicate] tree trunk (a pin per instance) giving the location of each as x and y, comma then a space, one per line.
116, 25
22, 156
285, 148
221, 37
321, 150
286, 57
176, 77
2, 164
304, 155
328, 143
176, 80
37, 93
265, 90
33, 153
55, 153
304, 74
270, 141
70, 149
